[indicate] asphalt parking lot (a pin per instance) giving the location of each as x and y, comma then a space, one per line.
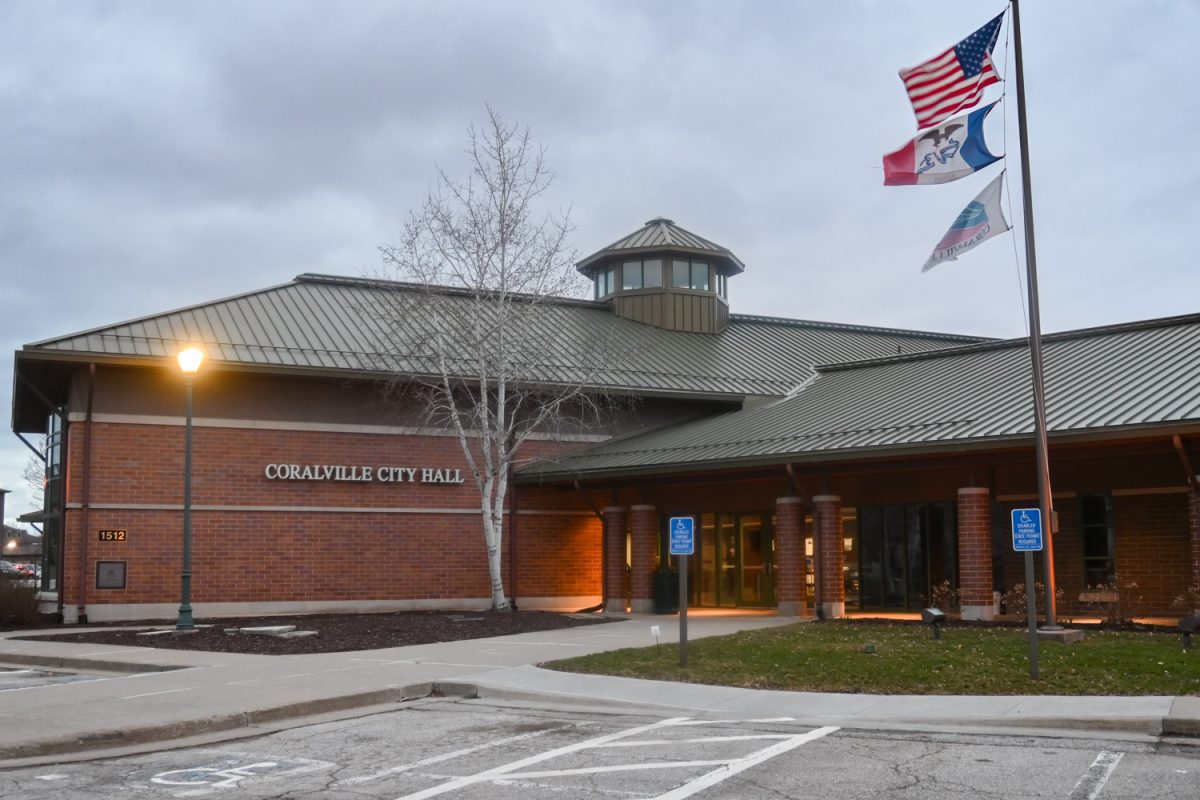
469, 749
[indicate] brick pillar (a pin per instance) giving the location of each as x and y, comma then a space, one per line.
615, 566
975, 553
827, 524
789, 556
1194, 527
643, 526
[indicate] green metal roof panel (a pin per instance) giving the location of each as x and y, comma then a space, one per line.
1096, 380
340, 324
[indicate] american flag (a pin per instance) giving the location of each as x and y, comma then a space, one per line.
955, 79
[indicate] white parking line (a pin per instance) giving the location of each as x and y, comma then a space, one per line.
1093, 781
717, 775
725, 768
466, 751
152, 694
502, 771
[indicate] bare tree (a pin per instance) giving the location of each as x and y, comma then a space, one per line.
484, 357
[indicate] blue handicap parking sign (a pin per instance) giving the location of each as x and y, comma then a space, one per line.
683, 539
1027, 529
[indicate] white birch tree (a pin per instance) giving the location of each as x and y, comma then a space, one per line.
495, 375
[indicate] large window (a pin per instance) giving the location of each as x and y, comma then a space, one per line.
644, 274
1099, 566
689, 274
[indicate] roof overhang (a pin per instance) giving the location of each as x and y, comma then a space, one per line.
532, 474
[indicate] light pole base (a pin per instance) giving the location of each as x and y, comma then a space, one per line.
184, 621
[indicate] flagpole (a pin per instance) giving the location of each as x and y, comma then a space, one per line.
1045, 496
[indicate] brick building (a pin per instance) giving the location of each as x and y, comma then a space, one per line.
829, 467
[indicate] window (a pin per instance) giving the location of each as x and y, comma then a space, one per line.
1095, 530
606, 282
723, 285
644, 274
687, 274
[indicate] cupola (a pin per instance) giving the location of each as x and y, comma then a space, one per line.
665, 276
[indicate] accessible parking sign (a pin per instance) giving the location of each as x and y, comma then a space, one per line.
1027, 529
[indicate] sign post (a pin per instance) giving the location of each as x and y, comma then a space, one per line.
683, 544
1027, 539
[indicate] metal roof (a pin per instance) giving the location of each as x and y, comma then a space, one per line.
661, 233
328, 324
1125, 377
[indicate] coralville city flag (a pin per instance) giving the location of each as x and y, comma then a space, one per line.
978, 222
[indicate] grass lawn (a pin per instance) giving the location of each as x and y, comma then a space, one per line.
836, 656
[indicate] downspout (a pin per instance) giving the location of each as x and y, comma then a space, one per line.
85, 481
603, 561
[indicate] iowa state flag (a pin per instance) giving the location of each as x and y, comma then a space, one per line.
952, 150
978, 222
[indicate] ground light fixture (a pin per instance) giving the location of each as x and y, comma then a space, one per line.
936, 618
1187, 626
190, 359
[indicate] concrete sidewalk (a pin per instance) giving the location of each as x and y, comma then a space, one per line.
138, 699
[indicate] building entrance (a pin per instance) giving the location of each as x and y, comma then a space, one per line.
904, 554
734, 561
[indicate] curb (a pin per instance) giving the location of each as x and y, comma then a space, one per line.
159, 734
67, 662
1145, 726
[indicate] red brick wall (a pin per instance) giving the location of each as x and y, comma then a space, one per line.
1152, 549
615, 527
827, 519
322, 554
789, 558
643, 526
1194, 527
975, 547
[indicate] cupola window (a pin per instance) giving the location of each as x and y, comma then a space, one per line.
687, 274
606, 282
643, 274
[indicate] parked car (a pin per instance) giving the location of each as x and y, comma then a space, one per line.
10, 569
26, 570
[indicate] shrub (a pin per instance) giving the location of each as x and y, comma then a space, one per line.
947, 598
18, 603
1188, 603
1119, 601
1015, 601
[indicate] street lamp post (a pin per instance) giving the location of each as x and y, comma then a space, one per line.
189, 361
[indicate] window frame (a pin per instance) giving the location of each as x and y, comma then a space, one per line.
678, 262
1088, 561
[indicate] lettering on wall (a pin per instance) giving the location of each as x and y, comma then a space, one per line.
361, 474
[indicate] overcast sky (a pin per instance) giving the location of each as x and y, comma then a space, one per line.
160, 154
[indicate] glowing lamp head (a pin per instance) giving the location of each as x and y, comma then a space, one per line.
189, 359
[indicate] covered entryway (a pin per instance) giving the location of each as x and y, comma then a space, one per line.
734, 562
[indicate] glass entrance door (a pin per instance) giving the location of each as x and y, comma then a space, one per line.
733, 563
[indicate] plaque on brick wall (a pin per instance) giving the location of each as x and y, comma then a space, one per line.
110, 574
114, 536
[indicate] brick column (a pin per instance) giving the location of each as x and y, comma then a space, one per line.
789, 556
614, 559
975, 552
643, 526
1194, 527
827, 524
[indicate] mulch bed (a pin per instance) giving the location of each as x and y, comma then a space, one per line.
337, 632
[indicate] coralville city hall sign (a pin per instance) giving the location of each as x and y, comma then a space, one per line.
361, 474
